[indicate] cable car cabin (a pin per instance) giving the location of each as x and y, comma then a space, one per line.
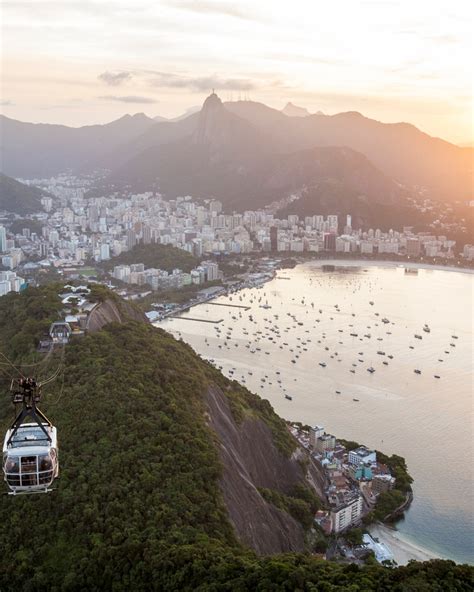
30, 458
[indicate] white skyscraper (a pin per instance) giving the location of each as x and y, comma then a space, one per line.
333, 223
3, 239
104, 252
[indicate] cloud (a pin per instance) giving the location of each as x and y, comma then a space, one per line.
210, 7
201, 84
115, 78
129, 99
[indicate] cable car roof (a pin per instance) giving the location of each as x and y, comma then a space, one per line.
30, 435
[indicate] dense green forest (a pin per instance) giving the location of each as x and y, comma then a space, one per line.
17, 226
138, 505
164, 257
25, 317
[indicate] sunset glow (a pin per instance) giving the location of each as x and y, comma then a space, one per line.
87, 61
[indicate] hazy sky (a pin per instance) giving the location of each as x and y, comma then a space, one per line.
90, 61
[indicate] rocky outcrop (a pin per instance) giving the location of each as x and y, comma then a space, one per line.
251, 460
110, 311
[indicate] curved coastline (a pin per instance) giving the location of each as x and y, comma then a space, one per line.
403, 549
390, 263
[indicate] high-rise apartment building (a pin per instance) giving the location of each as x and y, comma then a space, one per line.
3, 239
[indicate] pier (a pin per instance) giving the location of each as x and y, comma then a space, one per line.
177, 316
231, 305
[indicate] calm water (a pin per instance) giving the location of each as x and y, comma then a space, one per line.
424, 419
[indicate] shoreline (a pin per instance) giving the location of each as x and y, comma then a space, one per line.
318, 262
402, 549
383, 263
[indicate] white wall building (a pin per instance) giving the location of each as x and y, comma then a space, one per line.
346, 515
314, 434
3, 239
362, 455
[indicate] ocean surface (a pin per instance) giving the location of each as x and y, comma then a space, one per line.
309, 315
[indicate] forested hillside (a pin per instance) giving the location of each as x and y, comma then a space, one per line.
164, 257
19, 198
139, 504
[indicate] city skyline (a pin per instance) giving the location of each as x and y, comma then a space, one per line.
80, 63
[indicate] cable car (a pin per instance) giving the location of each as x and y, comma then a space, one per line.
30, 449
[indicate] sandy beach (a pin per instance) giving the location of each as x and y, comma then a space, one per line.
402, 549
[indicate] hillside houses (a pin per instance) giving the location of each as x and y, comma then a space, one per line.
354, 477
76, 310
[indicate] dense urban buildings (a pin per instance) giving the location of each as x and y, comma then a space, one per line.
75, 229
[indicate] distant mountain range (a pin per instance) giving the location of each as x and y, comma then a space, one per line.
228, 157
248, 155
30, 150
19, 198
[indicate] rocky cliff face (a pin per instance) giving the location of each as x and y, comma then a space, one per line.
110, 311
251, 460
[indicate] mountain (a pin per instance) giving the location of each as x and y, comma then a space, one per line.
19, 198
229, 157
189, 111
295, 111
399, 150
233, 157
160, 134
230, 141
226, 137
219, 151
168, 472
31, 150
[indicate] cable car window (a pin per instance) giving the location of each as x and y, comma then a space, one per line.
29, 480
28, 464
13, 480
12, 465
44, 463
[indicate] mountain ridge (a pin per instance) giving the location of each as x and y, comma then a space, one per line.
18, 198
400, 151
29, 150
